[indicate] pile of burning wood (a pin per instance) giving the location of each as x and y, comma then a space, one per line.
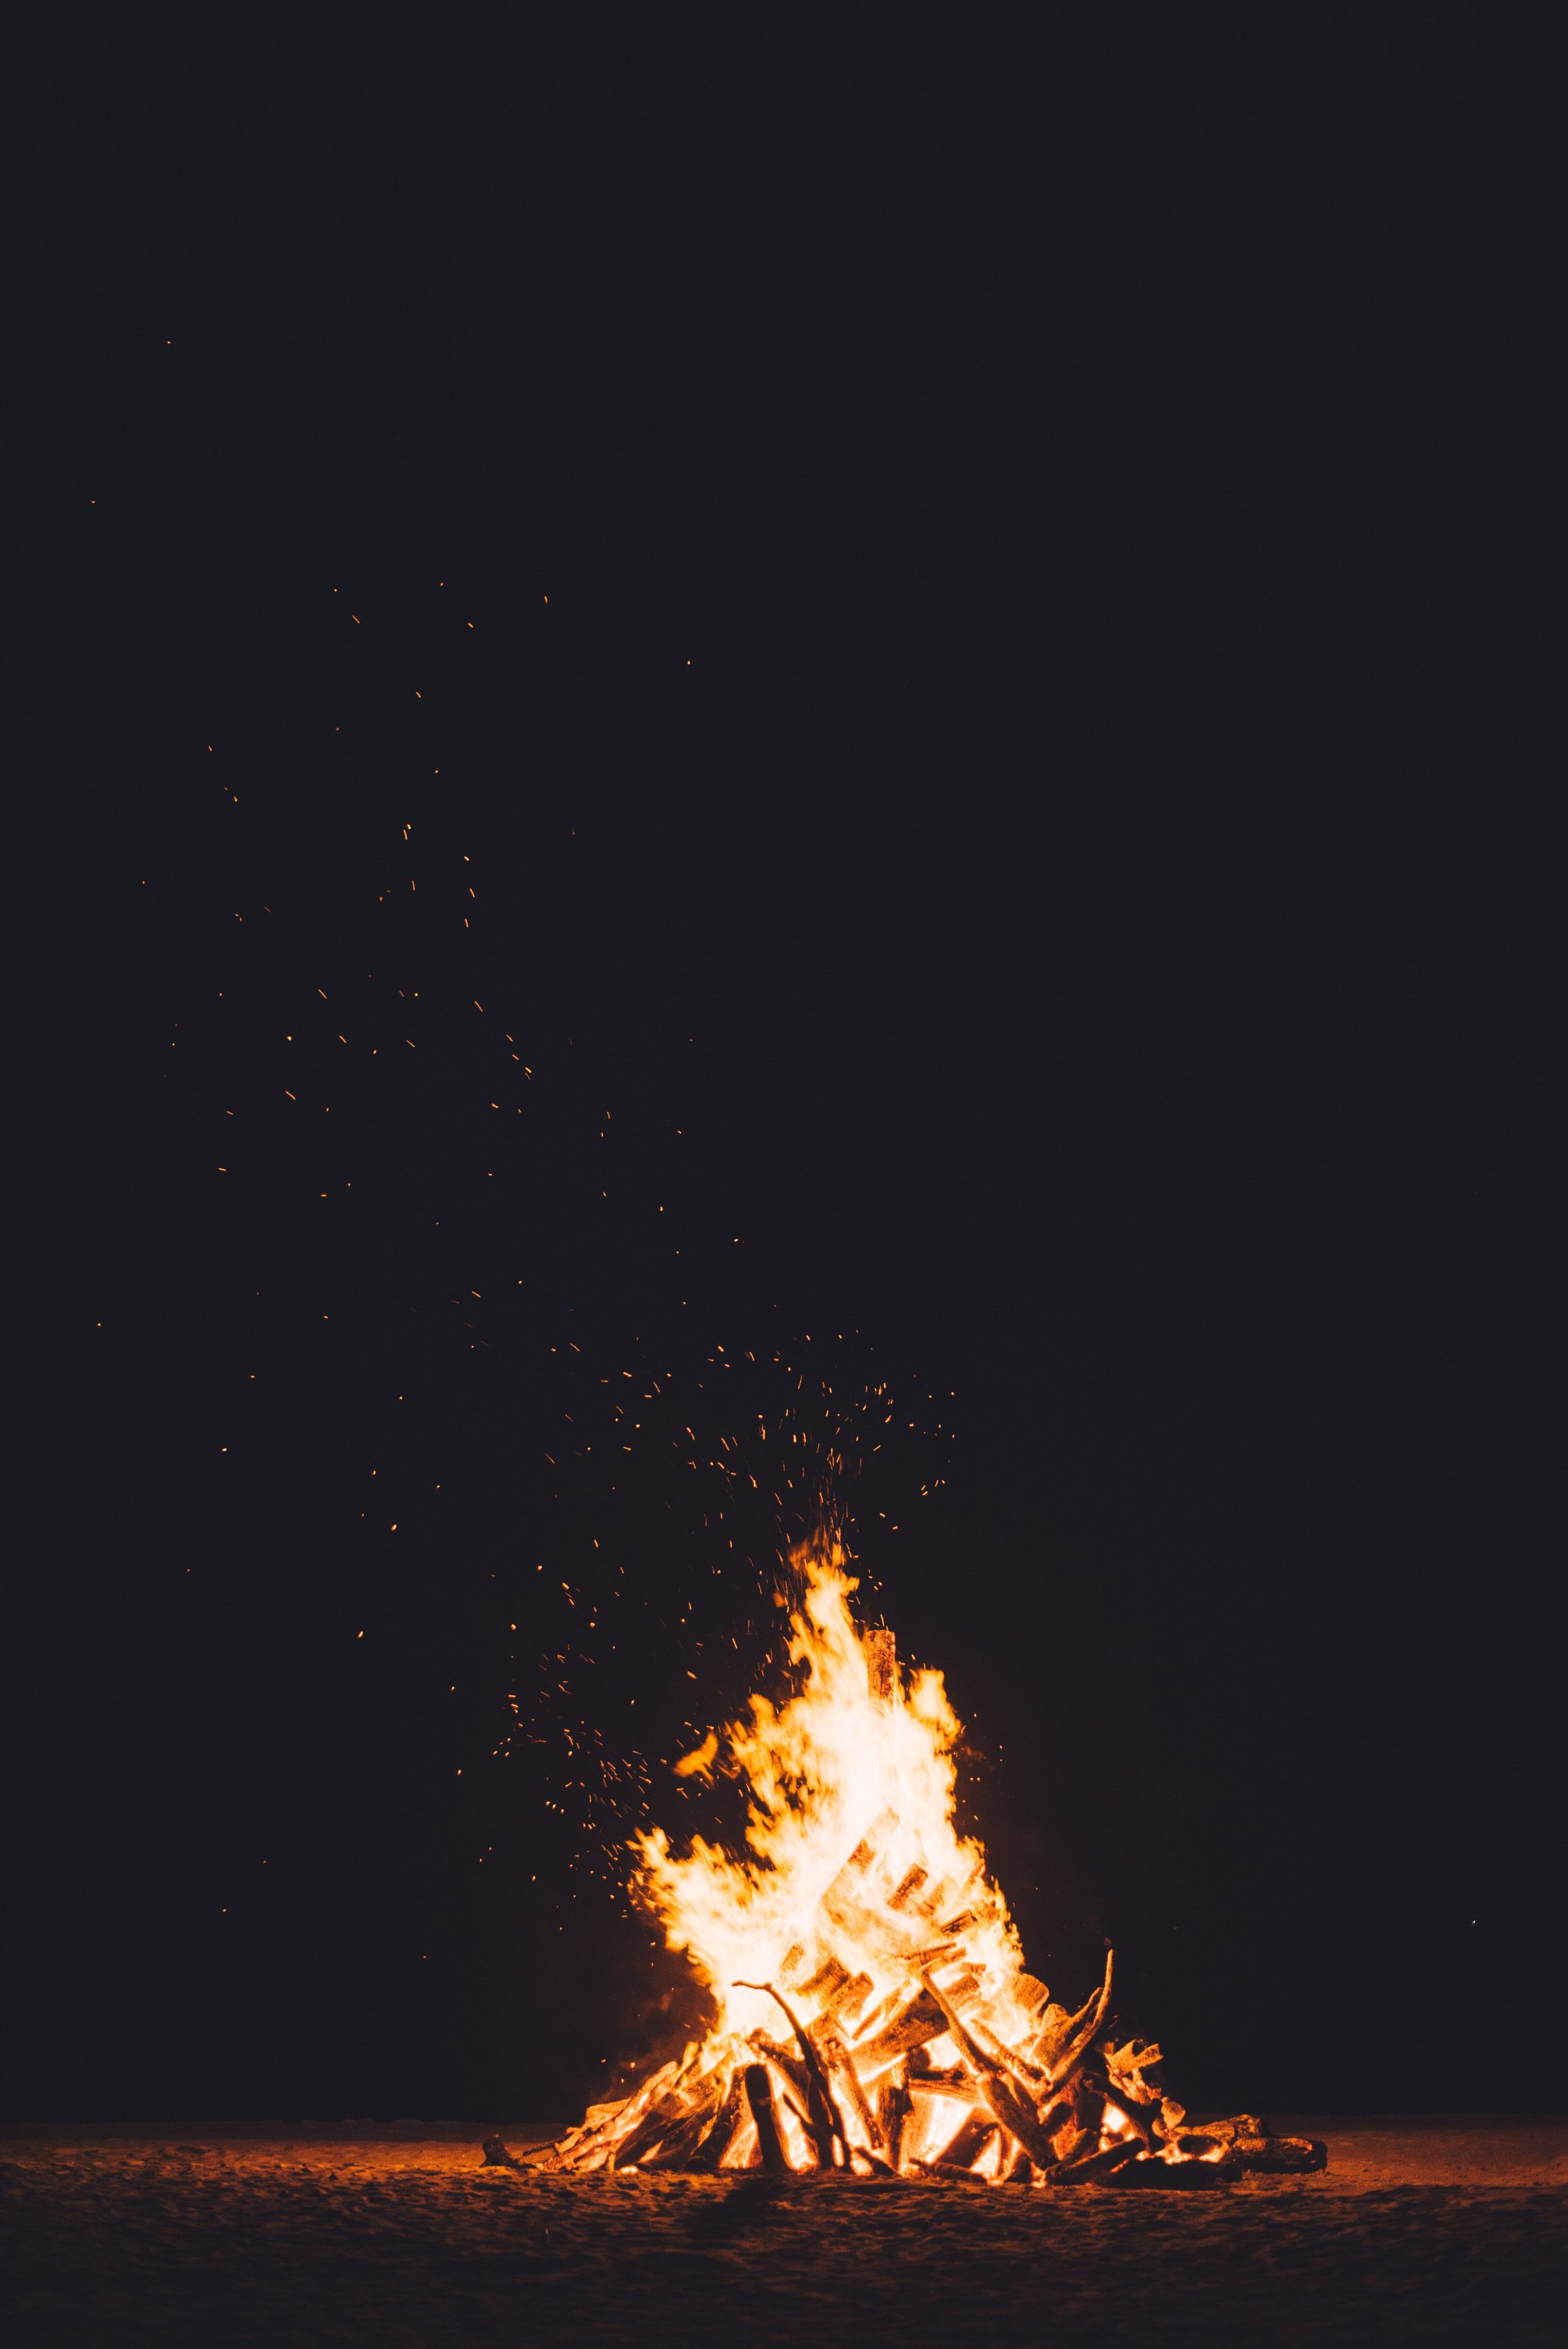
920, 2083
872, 2016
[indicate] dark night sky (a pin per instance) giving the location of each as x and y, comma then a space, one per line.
970, 602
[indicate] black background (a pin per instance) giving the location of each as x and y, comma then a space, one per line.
979, 596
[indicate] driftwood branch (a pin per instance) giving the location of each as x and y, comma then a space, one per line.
1081, 2031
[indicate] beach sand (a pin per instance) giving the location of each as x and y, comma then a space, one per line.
1420, 2231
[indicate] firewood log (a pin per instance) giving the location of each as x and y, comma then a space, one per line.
1082, 2030
688, 2132
649, 2133
1097, 1998
934, 1900
710, 2150
1051, 2033
961, 1985
683, 2098
894, 2106
844, 1903
890, 1937
1226, 2131
908, 1885
1281, 2155
1056, 2028
675, 2150
1179, 2176
883, 2011
826, 2123
592, 2145
847, 1999
782, 2059
968, 2141
1089, 2166
1126, 2068
1017, 2115
938, 1953
1058, 2125
876, 1836
596, 2117
840, 2070
1005, 2098
830, 1975
1088, 2105
881, 1665
1130, 2117
919, 2021
784, 2094
955, 2076
1030, 1994
1029, 2076
769, 2138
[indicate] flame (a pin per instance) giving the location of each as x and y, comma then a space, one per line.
851, 1797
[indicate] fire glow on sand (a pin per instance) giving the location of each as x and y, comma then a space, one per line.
874, 2015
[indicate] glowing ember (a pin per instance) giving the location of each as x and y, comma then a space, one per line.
873, 2010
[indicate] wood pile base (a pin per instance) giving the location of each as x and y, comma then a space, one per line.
904, 2042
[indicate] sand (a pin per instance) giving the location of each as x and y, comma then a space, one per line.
1420, 2231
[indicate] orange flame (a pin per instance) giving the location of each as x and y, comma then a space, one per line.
851, 1839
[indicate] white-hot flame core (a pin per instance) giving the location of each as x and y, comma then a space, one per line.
832, 1766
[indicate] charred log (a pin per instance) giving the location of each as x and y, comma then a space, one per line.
920, 2021
784, 2060
1225, 2132
681, 2141
894, 2106
1087, 2167
938, 2075
769, 2138
1082, 2031
1177, 2176
711, 2149
1130, 2117
591, 2147
967, 2143
1283, 2156
1006, 2099
829, 1976
846, 2080
826, 2123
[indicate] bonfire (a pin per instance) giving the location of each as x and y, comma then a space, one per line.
872, 2015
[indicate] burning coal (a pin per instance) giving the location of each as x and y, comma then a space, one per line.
872, 2012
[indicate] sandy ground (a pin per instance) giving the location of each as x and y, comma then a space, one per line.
1420, 2231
